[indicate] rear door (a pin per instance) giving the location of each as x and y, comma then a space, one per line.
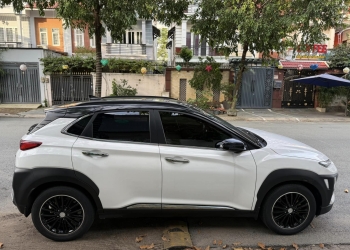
117, 151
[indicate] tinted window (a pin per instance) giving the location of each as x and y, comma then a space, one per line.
181, 129
78, 127
122, 126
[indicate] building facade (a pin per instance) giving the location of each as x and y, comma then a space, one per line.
30, 30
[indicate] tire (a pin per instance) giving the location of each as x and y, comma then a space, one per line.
289, 209
62, 213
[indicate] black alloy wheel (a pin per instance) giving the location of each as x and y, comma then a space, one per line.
62, 213
288, 209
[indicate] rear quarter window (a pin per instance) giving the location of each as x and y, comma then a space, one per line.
78, 127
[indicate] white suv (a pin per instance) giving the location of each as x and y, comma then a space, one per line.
116, 157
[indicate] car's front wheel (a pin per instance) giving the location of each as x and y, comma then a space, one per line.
62, 213
289, 209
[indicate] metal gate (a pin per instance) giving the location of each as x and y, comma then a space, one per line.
297, 95
256, 89
20, 87
70, 88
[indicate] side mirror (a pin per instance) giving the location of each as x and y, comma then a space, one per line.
234, 145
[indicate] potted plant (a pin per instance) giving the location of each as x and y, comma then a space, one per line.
186, 55
325, 96
227, 89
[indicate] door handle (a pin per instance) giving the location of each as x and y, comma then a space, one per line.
177, 159
92, 153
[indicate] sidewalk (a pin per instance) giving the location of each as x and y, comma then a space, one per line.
264, 115
289, 115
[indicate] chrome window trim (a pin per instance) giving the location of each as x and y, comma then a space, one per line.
116, 141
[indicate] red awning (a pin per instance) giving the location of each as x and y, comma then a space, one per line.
306, 64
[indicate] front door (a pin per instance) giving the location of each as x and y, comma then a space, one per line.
118, 154
256, 88
195, 173
297, 95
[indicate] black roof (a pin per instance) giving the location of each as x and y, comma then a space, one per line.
76, 110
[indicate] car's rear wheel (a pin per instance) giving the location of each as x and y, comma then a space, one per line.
62, 213
289, 209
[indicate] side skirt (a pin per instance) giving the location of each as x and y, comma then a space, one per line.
167, 210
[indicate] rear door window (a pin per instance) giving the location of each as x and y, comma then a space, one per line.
133, 126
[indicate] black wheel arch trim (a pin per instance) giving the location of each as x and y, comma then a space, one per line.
306, 177
28, 183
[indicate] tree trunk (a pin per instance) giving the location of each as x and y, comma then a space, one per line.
239, 77
98, 27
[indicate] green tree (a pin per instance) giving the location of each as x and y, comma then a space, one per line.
186, 54
99, 15
162, 53
207, 74
264, 26
340, 56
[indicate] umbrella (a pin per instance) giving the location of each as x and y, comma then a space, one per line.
324, 80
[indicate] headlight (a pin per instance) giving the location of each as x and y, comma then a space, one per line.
325, 163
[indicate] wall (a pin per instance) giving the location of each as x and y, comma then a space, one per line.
175, 77
148, 85
49, 24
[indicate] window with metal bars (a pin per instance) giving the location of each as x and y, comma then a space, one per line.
182, 91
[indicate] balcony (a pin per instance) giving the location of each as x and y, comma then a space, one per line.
203, 51
124, 50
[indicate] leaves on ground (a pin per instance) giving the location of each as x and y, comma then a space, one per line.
207, 248
140, 238
147, 246
321, 245
1, 244
197, 248
224, 246
261, 245
237, 243
312, 225
346, 191
295, 246
214, 242
219, 242
283, 248
238, 248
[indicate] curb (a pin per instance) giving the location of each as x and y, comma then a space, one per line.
21, 116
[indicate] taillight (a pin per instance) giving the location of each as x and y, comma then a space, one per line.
25, 145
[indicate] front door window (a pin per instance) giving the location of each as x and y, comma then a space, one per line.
185, 130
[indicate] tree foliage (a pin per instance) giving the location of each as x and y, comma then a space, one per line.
264, 26
100, 15
186, 54
122, 89
340, 56
204, 78
162, 53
